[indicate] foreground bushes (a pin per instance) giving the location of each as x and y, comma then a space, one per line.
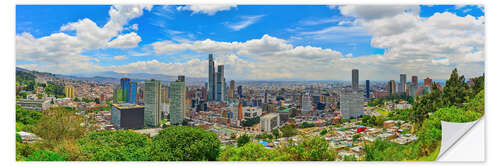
181, 143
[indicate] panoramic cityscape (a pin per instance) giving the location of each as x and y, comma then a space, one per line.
355, 85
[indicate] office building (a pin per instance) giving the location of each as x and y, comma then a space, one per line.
125, 86
402, 83
269, 122
133, 93
152, 100
351, 104
127, 116
181, 78
69, 91
231, 89
211, 78
177, 102
355, 79
428, 82
220, 83
306, 103
413, 90
240, 91
392, 87
367, 95
414, 80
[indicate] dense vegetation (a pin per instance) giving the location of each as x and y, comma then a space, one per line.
456, 103
178, 143
120, 145
309, 149
250, 122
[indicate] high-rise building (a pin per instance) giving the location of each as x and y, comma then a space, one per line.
367, 89
351, 104
133, 93
102, 99
269, 122
152, 100
414, 80
211, 78
413, 90
220, 83
164, 94
392, 87
402, 83
428, 82
69, 91
177, 102
240, 91
355, 79
306, 103
140, 95
125, 86
181, 78
127, 116
231, 89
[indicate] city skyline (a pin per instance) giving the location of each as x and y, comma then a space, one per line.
312, 46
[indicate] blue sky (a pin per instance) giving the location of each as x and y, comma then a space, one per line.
318, 26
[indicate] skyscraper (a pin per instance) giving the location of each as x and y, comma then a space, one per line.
413, 90
355, 79
306, 103
402, 83
181, 78
240, 91
231, 89
392, 87
152, 100
125, 86
133, 92
177, 102
211, 78
351, 104
69, 91
428, 82
414, 80
367, 89
220, 83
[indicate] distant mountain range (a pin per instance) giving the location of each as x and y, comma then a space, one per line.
110, 76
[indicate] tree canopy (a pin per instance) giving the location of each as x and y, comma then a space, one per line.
182, 143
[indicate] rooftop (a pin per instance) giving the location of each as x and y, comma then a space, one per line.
127, 106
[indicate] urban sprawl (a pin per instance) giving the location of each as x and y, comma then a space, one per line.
332, 110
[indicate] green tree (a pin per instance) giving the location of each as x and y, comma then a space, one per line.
45, 155
276, 133
27, 117
309, 149
323, 132
248, 152
289, 131
243, 139
58, 124
120, 145
455, 91
180, 143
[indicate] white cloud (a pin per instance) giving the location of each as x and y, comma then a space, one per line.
63, 53
245, 22
129, 40
209, 9
373, 12
425, 46
121, 57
